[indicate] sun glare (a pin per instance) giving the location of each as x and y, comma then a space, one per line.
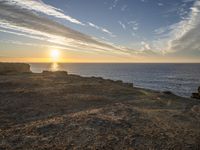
55, 54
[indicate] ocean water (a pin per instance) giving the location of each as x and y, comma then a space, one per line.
181, 79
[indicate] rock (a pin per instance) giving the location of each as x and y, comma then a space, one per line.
119, 82
57, 73
196, 95
196, 109
168, 92
128, 84
13, 68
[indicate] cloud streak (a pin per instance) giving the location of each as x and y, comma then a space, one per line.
187, 36
122, 25
101, 29
39, 6
114, 4
24, 22
28, 18
181, 38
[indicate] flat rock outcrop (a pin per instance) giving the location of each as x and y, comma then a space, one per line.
10, 68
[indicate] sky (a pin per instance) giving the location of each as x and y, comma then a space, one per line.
100, 30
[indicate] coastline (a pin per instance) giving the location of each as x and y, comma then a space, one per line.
181, 79
57, 110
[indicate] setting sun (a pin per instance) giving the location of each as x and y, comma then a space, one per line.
55, 54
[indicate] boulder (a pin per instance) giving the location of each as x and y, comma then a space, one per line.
196, 95
168, 92
12, 68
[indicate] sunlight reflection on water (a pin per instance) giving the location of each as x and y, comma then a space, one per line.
54, 67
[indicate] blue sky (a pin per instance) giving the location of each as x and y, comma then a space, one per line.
132, 29
140, 18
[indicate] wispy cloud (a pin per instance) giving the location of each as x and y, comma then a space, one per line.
41, 7
162, 31
101, 29
145, 46
182, 38
25, 22
124, 7
134, 25
114, 4
143, 0
160, 4
122, 25
19, 18
186, 1
186, 33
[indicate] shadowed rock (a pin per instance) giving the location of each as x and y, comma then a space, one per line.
168, 92
196, 95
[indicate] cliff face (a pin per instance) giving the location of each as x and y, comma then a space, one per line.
10, 68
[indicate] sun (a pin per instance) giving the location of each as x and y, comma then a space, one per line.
55, 54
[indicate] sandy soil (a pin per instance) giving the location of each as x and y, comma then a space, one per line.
59, 111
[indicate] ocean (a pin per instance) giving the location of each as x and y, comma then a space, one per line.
181, 79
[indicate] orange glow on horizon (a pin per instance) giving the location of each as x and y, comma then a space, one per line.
79, 59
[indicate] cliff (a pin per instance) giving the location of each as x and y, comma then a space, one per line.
10, 68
